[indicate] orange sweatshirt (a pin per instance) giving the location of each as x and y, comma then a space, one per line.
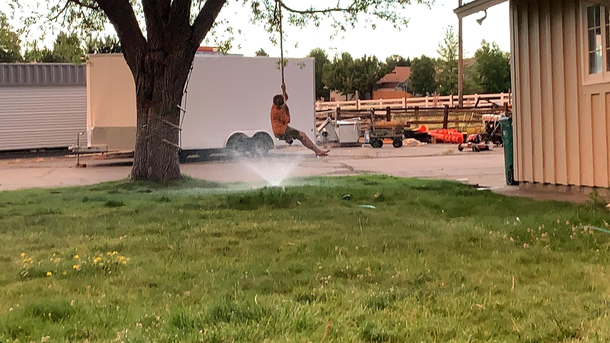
279, 119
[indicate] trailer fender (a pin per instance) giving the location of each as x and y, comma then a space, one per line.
257, 142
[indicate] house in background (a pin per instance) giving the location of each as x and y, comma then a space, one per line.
336, 96
560, 62
393, 85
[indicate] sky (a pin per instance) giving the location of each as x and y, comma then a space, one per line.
421, 37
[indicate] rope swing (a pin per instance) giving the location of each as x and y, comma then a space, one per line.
279, 13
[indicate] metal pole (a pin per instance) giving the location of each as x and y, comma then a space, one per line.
460, 62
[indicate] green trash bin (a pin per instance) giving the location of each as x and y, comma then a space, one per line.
506, 124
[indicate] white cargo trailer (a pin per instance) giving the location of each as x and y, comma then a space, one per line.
226, 104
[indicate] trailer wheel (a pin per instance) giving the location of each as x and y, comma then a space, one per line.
397, 143
238, 144
260, 144
376, 143
182, 156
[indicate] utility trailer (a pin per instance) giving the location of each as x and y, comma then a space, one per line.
226, 104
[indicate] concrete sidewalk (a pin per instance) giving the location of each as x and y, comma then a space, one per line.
428, 161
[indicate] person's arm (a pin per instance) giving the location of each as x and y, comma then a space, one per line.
287, 114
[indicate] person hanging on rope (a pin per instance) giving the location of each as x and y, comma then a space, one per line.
280, 118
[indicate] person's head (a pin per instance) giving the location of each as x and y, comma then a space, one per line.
278, 100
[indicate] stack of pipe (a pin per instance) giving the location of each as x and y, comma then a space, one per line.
447, 135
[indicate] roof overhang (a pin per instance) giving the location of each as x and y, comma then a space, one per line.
476, 6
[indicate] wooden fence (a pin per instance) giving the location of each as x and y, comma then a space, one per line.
476, 100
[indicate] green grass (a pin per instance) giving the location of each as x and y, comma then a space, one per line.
434, 261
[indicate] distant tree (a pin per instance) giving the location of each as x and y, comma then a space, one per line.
339, 74
447, 78
492, 68
397, 61
10, 49
423, 76
261, 52
68, 48
42, 55
367, 71
107, 45
321, 60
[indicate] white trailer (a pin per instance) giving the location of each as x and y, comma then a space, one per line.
226, 104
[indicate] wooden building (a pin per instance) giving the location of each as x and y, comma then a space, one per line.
561, 81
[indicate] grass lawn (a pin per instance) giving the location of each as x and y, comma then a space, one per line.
434, 261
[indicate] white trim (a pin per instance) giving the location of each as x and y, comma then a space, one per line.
604, 76
475, 7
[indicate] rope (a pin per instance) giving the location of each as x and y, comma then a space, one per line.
279, 11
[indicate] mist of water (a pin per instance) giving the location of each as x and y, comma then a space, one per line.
274, 172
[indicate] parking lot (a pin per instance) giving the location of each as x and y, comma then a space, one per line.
427, 161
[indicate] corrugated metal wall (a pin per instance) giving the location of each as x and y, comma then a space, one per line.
561, 127
41, 106
42, 74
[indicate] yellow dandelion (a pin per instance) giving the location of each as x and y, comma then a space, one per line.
22, 254
96, 260
76, 266
76, 257
65, 272
49, 274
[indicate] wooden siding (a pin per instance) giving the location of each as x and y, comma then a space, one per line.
561, 127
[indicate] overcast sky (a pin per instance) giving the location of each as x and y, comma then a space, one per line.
422, 36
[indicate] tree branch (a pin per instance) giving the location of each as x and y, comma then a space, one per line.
156, 14
349, 9
82, 4
205, 19
181, 9
123, 18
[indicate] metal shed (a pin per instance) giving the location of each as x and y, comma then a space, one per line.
41, 105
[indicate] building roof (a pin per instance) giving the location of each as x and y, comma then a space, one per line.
42, 74
400, 74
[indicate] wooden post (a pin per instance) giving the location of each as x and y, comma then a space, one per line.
338, 114
460, 62
388, 114
446, 117
372, 118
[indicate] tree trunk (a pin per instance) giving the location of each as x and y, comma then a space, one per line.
160, 83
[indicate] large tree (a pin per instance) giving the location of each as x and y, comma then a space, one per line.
159, 39
10, 50
492, 68
367, 71
422, 80
68, 48
397, 61
106, 45
447, 77
338, 75
321, 60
